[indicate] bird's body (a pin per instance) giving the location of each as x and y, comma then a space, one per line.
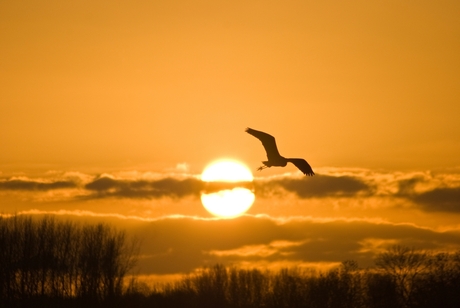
274, 157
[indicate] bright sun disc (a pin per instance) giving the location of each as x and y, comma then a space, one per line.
226, 171
231, 200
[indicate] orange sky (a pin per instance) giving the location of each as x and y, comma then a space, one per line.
366, 91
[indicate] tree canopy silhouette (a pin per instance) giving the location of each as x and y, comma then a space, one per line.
274, 157
46, 261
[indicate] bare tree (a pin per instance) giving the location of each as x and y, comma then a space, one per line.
46, 258
404, 265
440, 286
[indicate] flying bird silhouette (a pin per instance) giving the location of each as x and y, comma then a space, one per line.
274, 157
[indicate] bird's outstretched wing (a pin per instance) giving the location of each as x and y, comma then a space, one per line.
268, 141
302, 165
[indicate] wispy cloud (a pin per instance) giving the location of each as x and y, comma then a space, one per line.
263, 250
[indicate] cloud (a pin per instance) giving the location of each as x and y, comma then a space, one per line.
176, 187
317, 187
439, 200
140, 189
184, 244
431, 194
181, 244
34, 185
406, 187
425, 191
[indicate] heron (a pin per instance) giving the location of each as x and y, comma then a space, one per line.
274, 157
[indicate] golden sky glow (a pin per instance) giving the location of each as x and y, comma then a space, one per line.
110, 111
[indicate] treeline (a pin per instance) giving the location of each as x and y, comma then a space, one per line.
51, 263
45, 262
403, 277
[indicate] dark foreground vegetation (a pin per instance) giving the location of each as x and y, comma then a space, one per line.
403, 278
48, 263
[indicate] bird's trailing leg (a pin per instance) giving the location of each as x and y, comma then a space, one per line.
262, 168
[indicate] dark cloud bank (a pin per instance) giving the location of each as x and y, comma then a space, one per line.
30, 185
167, 187
439, 199
183, 244
318, 187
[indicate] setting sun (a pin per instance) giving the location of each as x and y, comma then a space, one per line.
227, 171
232, 199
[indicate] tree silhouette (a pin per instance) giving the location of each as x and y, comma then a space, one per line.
50, 263
49, 259
404, 265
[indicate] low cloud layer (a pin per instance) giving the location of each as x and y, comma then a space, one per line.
425, 191
183, 244
317, 187
31, 185
439, 200
166, 187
